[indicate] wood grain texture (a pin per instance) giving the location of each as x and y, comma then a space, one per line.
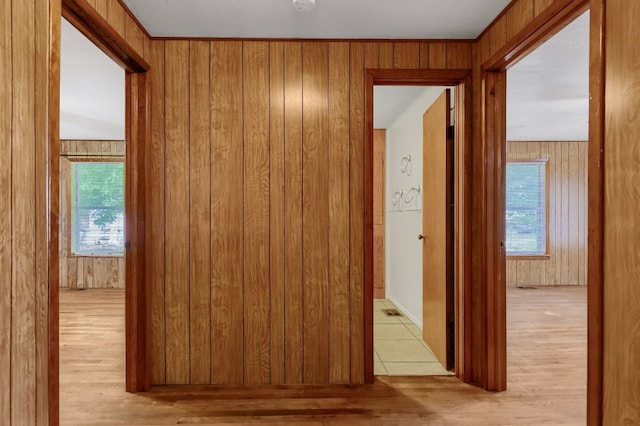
23, 225
293, 307
518, 16
437, 55
621, 399
156, 203
567, 208
540, 5
356, 219
177, 253
546, 380
339, 318
227, 247
277, 227
315, 203
436, 227
406, 55
116, 17
6, 106
385, 56
257, 306
199, 213
379, 143
458, 55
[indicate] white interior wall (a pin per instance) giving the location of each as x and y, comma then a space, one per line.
403, 250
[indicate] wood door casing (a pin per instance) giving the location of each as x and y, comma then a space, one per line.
379, 150
436, 299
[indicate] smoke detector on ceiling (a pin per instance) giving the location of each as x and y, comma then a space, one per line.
304, 5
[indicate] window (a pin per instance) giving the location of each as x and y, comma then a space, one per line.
97, 208
526, 208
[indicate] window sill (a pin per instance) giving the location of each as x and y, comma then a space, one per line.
528, 256
105, 256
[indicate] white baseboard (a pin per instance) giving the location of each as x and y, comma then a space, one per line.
406, 313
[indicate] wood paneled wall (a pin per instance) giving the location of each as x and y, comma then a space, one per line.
256, 194
24, 298
567, 220
621, 403
86, 271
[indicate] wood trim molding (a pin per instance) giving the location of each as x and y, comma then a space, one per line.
595, 221
462, 79
545, 25
93, 26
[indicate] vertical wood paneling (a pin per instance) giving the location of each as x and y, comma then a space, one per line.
458, 55
102, 6
621, 399
518, 16
424, 55
540, 5
6, 313
293, 211
277, 214
339, 345
406, 55
277, 210
385, 55
437, 55
285, 183
257, 307
315, 198
566, 264
116, 17
155, 203
23, 347
177, 254
356, 191
199, 213
498, 35
227, 254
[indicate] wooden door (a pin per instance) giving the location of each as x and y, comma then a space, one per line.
379, 140
437, 285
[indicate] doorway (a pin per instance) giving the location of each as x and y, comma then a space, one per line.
547, 134
412, 158
84, 18
460, 81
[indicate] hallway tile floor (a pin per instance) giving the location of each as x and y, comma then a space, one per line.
398, 346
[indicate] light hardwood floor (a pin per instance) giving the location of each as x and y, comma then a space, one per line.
546, 373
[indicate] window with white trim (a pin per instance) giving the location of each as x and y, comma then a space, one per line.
526, 208
97, 208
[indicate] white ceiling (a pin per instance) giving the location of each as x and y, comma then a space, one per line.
328, 19
391, 101
91, 90
548, 91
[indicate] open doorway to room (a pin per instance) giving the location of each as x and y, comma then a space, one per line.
547, 133
413, 282
92, 217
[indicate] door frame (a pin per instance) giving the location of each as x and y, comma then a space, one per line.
493, 77
462, 80
137, 134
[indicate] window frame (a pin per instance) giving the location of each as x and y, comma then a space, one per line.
69, 236
547, 253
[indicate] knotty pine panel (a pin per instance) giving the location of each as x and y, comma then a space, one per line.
286, 189
567, 175
96, 272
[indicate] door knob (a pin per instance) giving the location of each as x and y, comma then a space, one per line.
421, 237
